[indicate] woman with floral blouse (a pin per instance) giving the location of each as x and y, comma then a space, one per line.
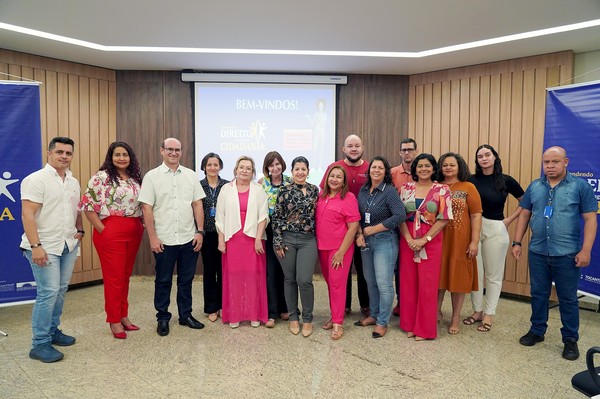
428, 210
295, 244
111, 205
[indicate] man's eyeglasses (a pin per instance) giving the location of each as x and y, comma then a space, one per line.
408, 150
175, 150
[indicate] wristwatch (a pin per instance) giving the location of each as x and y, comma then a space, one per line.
201, 232
39, 244
515, 243
428, 237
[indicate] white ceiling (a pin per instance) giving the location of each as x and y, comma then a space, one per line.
338, 25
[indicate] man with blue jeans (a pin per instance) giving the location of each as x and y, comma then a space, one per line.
171, 198
553, 207
53, 229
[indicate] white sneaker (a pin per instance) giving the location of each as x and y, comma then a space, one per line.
255, 323
234, 325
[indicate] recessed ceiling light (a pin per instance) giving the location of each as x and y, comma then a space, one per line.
381, 54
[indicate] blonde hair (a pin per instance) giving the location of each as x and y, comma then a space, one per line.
244, 158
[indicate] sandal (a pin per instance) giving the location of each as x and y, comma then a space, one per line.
270, 323
367, 321
337, 332
484, 327
328, 325
453, 331
469, 321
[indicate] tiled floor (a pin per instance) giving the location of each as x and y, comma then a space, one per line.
259, 362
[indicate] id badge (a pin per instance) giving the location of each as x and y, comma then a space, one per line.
367, 217
213, 211
548, 211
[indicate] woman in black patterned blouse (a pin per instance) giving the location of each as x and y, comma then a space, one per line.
295, 244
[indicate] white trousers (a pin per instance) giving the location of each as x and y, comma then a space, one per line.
491, 258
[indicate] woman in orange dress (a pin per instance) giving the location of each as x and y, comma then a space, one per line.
461, 237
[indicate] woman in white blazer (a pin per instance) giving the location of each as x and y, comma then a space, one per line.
242, 215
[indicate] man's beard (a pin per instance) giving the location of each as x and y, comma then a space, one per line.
353, 160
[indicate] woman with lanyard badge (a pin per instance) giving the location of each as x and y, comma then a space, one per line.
381, 212
211, 165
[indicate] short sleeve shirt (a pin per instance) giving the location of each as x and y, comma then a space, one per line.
332, 218
57, 215
171, 195
559, 234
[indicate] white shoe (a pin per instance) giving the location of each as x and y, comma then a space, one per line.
255, 323
234, 325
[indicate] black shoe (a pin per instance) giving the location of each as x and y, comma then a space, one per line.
530, 339
191, 323
571, 351
163, 328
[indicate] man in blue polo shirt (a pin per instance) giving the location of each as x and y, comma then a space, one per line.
553, 207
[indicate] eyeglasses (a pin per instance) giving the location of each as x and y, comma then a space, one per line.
175, 150
408, 149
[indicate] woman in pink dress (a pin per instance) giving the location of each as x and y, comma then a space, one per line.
242, 215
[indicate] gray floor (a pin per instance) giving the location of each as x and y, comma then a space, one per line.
260, 362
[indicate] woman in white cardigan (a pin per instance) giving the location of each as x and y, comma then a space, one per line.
242, 215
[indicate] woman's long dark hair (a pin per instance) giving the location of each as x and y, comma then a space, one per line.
387, 178
498, 181
133, 170
463, 168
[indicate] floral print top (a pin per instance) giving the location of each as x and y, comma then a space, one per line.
294, 211
109, 199
437, 204
272, 190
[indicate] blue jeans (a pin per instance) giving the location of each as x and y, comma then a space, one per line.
543, 270
379, 262
52, 282
186, 259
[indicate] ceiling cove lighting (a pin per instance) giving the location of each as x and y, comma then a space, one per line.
382, 54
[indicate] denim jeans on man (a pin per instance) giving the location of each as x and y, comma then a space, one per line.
379, 260
52, 282
186, 258
543, 270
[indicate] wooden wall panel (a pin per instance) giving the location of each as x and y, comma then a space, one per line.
502, 104
153, 105
72, 106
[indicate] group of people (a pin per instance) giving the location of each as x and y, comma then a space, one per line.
429, 225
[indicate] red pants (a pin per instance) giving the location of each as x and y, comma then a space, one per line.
117, 248
336, 280
419, 286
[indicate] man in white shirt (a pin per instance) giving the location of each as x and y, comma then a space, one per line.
171, 198
53, 230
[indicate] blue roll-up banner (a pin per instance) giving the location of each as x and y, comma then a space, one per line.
20, 150
573, 122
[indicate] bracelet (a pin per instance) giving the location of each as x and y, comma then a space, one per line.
39, 244
82, 232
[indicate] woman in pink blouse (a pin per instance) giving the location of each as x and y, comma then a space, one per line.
110, 204
428, 210
337, 220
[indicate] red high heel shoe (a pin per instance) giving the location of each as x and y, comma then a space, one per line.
118, 335
131, 327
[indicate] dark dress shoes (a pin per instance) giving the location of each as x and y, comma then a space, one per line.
191, 323
163, 328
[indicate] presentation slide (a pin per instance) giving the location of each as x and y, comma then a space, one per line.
235, 119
